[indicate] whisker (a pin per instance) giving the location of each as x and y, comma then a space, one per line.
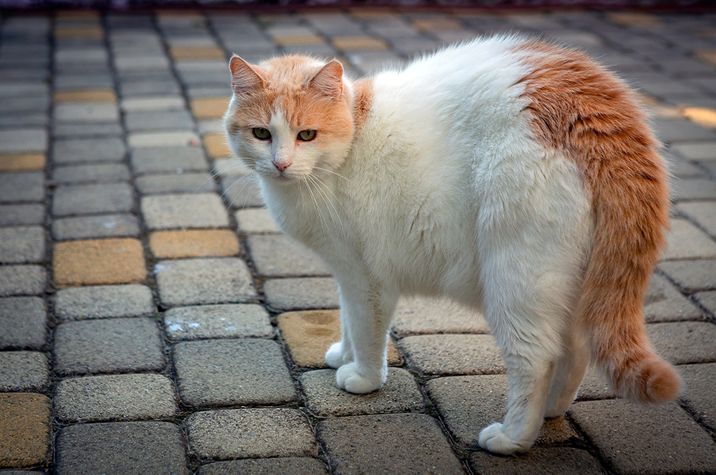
332, 172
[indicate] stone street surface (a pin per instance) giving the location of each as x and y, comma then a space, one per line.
154, 320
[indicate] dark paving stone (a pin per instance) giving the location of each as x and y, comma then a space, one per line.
288, 465
538, 461
104, 301
19, 187
109, 149
22, 280
22, 244
180, 183
88, 199
700, 382
101, 173
280, 256
83, 227
23, 371
168, 160
24, 323
14, 215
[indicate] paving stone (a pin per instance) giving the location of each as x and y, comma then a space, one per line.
538, 461
89, 95
217, 321
21, 186
121, 447
324, 398
88, 199
158, 120
216, 146
292, 465
168, 160
101, 261
193, 243
86, 112
200, 210
231, 167
107, 225
453, 354
196, 52
152, 103
22, 280
308, 335
684, 342
708, 300
418, 316
71, 130
680, 130
209, 107
122, 397
102, 346
242, 433
280, 256
106, 172
685, 241
696, 150
299, 294
204, 281
693, 189
242, 191
23, 140
352, 43
372, 444
256, 221
594, 386
470, 403
22, 244
24, 322
22, 161
237, 372
663, 438
703, 212
665, 303
700, 382
104, 301
23, 371
13, 215
692, 275
24, 430
107, 149
181, 138
179, 183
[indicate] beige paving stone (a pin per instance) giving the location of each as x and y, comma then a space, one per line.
430, 24
79, 32
351, 43
88, 95
11, 162
308, 335
193, 243
707, 55
453, 354
209, 107
298, 40
182, 53
216, 146
419, 316
635, 19
24, 429
105, 261
701, 115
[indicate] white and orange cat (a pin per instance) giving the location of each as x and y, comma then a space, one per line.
514, 176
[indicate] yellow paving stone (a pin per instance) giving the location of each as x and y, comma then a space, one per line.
92, 32
707, 55
87, 95
22, 161
182, 53
308, 335
24, 429
194, 243
100, 261
635, 19
358, 43
298, 40
436, 24
216, 146
701, 115
209, 107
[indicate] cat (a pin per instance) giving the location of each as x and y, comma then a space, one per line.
512, 175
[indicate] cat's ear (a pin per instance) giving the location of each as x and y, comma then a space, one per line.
329, 80
244, 76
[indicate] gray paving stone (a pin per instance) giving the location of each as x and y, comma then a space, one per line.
680, 130
684, 342
22, 280
693, 189
324, 398
89, 199
23, 371
632, 437
280, 256
99, 129
538, 461
201, 210
103, 173
153, 103
178, 183
373, 444
223, 372
14, 215
664, 303
453, 354
204, 281
292, 465
696, 150
708, 300
683, 169
107, 225
168, 138
594, 386
242, 191
102, 346
121, 397
132, 89
419, 316
23, 140
244, 433
22, 244
217, 321
86, 112
104, 301
700, 382
256, 221
106, 149
231, 167
168, 160
703, 212
121, 447
158, 120
686, 241
301, 294
692, 275
19, 187
24, 322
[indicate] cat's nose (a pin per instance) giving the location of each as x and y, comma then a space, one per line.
281, 165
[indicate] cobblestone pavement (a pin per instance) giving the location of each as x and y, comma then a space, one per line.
152, 319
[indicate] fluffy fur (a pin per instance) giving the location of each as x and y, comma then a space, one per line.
512, 176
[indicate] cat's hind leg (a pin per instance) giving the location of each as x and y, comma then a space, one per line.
569, 372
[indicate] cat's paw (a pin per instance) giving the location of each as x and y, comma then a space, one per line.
494, 439
348, 377
336, 356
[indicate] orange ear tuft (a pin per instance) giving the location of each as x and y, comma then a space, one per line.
244, 76
329, 80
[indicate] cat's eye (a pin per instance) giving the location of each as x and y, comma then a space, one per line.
307, 135
261, 133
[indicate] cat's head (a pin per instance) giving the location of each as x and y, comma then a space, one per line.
290, 116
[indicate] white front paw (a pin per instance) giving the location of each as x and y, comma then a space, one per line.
494, 439
337, 356
348, 377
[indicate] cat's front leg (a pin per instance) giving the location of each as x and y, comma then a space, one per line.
341, 352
